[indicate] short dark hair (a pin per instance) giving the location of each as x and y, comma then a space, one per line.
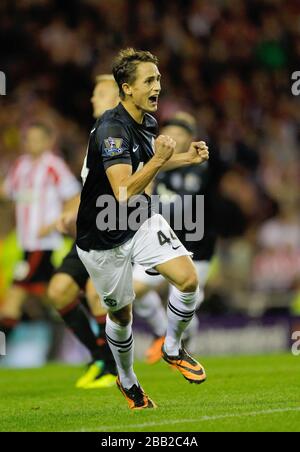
185, 120
125, 64
180, 123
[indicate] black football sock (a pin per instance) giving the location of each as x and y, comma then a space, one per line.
77, 319
110, 364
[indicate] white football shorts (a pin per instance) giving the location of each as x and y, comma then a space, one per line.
112, 271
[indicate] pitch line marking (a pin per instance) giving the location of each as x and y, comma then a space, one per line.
200, 419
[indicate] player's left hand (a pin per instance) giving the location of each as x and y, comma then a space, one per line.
198, 152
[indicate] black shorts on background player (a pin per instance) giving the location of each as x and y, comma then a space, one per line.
33, 271
72, 266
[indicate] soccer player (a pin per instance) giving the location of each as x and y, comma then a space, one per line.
122, 160
71, 277
38, 179
173, 186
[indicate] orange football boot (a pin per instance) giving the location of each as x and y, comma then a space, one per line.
136, 397
190, 369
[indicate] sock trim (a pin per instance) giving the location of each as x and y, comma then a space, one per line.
186, 315
123, 347
121, 344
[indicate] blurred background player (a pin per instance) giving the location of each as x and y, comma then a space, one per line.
172, 186
41, 186
71, 277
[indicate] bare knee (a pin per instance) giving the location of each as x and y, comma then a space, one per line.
181, 273
122, 317
62, 290
189, 284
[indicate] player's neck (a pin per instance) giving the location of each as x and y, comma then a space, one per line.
136, 113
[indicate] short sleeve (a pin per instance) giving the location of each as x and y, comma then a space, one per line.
114, 144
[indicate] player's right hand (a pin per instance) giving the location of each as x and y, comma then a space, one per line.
164, 147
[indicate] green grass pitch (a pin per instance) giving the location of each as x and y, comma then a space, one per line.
259, 393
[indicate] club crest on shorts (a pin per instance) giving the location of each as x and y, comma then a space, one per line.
110, 302
113, 147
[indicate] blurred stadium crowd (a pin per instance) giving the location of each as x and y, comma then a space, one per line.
229, 63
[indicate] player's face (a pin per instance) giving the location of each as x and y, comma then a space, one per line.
105, 97
37, 141
182, 137
146, 88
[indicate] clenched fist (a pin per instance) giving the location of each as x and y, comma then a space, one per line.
164, 148
198, 152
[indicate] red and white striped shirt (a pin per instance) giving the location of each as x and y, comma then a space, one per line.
39, 188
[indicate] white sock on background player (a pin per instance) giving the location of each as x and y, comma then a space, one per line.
181, 309
121, 343
150, 308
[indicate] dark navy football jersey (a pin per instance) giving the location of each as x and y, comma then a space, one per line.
116, 139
